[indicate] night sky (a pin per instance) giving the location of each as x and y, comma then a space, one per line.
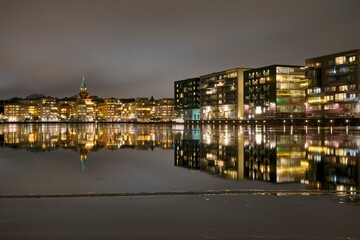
139, 48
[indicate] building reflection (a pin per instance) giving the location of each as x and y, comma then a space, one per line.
318, 161
86, 138
326, 162
333, 162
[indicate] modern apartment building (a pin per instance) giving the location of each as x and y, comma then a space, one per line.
333, 85
221, 95
187, 99
274, 91
164, 109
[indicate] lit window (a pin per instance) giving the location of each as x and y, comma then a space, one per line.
340, 60
340, 96
258, 110
343, 88
352, 59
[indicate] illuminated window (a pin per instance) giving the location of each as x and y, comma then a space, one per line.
340, 60
352, 96
344, 69
329, 97
332, 71
352, 59
258, 110
340, 96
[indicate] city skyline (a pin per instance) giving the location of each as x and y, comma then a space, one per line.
128, 49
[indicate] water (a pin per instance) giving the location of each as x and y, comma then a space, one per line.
81, 158
92, 181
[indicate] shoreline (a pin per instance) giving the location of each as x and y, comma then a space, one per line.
321, 122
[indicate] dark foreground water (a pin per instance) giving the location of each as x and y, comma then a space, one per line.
92, 181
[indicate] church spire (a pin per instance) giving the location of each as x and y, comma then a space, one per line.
83, 82
83, 89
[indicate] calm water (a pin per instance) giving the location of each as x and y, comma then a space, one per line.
79, 158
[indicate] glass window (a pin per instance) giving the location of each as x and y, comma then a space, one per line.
343, 88
330, 89
330, 62
340, 96
340, 60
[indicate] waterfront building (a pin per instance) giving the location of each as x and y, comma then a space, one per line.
164, 109
333, 85
48, 110
85, 106
275, 91
221, 95
109, 110
127, 109
143, 109
187, 99
14, 112
66, 108
22, 110
138, 109
31, 108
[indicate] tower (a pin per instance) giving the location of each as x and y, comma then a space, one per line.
83, 89
85, 107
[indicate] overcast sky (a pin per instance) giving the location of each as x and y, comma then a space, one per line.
138, 48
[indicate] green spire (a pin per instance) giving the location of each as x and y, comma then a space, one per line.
83, 162
83, 82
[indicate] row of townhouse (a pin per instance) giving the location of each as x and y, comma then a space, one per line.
327, 86
84, 108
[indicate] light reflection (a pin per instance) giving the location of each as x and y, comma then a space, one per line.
310, 159
317, 161
85, 138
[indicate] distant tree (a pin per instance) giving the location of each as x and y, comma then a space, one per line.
35, 96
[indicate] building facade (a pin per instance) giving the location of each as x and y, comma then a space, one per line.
85, 107
48, 111
274, 91
221, 95
187, 99
333, 85
164, 109
109, 110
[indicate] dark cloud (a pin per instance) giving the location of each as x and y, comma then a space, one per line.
139, 48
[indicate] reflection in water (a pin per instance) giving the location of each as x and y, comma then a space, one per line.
85, 138
327, 162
